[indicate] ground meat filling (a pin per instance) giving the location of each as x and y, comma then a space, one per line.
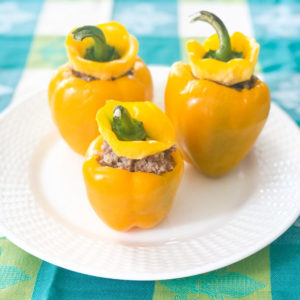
158, 163
89, 78
83, 76
248, 84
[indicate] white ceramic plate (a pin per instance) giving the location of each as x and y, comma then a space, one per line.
213, 223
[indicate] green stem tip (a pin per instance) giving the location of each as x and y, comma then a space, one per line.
224, 53
125, 127
100, 51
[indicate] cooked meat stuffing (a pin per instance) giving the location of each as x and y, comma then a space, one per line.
158, 163
83, 76
89, 78
249, 84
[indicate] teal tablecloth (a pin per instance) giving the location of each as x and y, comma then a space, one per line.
32, 36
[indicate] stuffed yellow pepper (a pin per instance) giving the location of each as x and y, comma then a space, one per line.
132, 169
103, 64
217, 105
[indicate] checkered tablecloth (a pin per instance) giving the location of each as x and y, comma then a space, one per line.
32, 34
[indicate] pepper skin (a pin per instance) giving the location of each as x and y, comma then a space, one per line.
74, 101
124, 199
216, 121
215, 125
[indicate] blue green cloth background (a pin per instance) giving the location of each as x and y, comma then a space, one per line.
274, 272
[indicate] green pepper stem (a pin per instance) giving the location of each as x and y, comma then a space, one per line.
100, 51
224, 53
125, 127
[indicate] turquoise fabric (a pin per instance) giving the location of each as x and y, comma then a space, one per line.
277, 29
17, 23
155, 24
57, 283
285, 265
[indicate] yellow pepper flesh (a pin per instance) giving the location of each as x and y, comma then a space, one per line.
124, 199
160, 131
74, 101
215, 125
228, 73
117, 36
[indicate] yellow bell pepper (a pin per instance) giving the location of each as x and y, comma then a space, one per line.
124, 199
103, 64
216, 125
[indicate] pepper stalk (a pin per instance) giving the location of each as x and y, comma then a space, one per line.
225, 52
125, 127
100, 51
